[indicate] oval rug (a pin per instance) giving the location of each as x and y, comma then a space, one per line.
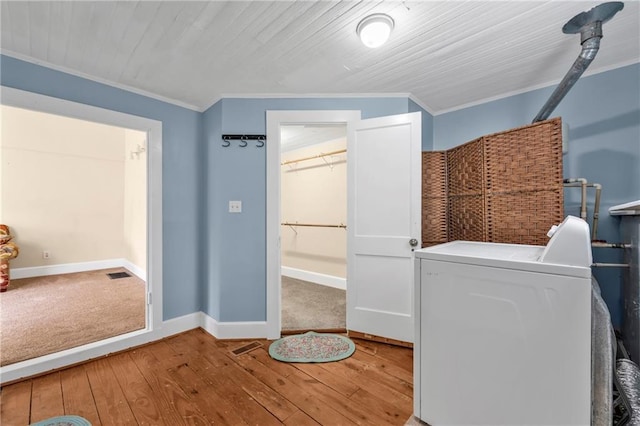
312, 347
63, 421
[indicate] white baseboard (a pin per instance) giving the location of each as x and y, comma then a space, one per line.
135, 269
69, 268
315, 277
234, 330
65, 268
181, 324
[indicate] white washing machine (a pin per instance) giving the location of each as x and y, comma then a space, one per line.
503, 331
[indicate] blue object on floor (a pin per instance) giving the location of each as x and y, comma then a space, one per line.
63, 421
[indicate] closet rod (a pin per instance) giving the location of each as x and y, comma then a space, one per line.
340, 151
317, 225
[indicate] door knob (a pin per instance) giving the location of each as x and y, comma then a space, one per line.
413, 242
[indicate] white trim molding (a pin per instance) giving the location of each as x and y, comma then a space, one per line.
315, 277
234, 330
120, 86
44, 364
219, 330
70, 268
153, 128
135, 269
181, 324
276, 119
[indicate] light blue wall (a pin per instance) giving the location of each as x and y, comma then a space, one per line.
181, 136
215, 261
236, 269
427, 126
603, 113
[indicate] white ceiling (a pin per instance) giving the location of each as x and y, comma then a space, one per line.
446, 55
303, 135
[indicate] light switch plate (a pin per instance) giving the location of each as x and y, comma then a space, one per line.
235, 206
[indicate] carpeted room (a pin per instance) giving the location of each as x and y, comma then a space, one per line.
44, 315
213, 262
75, 205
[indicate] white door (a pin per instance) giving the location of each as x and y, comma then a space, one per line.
384, 171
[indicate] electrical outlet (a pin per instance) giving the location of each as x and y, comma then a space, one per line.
235, 206
46, 254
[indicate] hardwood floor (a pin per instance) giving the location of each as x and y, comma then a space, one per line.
194, 379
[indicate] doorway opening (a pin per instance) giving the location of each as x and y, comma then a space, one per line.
148, 141
276, 120
73, 193
383, 218
313, 229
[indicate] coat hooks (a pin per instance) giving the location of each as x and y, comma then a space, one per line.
244, 140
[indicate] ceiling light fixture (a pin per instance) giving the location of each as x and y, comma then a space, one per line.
374, 30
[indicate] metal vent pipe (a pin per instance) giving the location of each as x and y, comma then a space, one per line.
589, 25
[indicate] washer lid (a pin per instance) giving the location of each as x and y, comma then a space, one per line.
570, 244
498, 255
519, 256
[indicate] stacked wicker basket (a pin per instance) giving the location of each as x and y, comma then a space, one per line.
505, 187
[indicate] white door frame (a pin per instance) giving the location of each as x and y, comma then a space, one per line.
276, 119
37, 102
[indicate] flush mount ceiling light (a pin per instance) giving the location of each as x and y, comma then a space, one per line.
374, 30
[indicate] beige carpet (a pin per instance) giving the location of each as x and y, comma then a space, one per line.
309, 306
43, 315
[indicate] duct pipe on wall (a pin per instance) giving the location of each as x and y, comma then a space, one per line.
589, 25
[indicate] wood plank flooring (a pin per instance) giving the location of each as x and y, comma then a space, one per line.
194, 379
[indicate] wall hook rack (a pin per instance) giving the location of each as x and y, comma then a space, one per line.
244, 140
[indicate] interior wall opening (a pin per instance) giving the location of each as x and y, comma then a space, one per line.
73, 193
149, 156
275, 121
314, 216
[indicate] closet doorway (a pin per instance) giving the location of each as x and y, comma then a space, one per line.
313, 226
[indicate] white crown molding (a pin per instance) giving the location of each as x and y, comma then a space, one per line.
125, 87
531, 88
311, 95
422, 105
430, 110
306, 96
